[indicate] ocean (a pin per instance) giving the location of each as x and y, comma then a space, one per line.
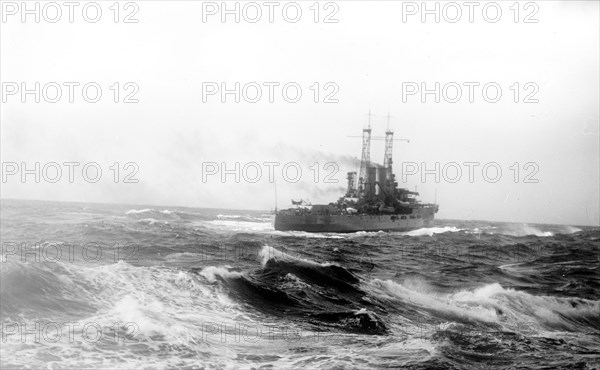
94, 286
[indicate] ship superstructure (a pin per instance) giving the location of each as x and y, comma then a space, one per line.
373, 200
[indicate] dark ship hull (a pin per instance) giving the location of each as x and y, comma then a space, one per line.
345, 223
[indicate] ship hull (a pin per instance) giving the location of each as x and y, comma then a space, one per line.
350, 223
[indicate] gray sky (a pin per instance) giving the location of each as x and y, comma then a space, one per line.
368, 54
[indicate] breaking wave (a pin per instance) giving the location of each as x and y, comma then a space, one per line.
429, 231
493, 304
326, 293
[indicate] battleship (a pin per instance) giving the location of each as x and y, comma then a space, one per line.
373, 201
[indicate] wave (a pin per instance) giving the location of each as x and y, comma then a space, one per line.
246, 218
150, 210
186, 256
318, 273
429, 231
148, 221
151, 216
139, 211
521, 230
562, 313
571, 229
326, 293
367, 233
211, 273
492, 304
524, 230
268, 253
147, 308
41, 289
115, 291
245, 226
308, 235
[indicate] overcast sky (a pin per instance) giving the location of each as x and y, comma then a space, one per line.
368, 56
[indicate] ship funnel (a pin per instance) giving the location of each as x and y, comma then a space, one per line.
388, 160
351, 193
370, 188
383, 183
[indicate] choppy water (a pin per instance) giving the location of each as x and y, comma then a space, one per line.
105, 286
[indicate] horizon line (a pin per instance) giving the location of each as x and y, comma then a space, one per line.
264, 210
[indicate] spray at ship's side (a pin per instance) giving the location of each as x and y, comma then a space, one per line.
372, 202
